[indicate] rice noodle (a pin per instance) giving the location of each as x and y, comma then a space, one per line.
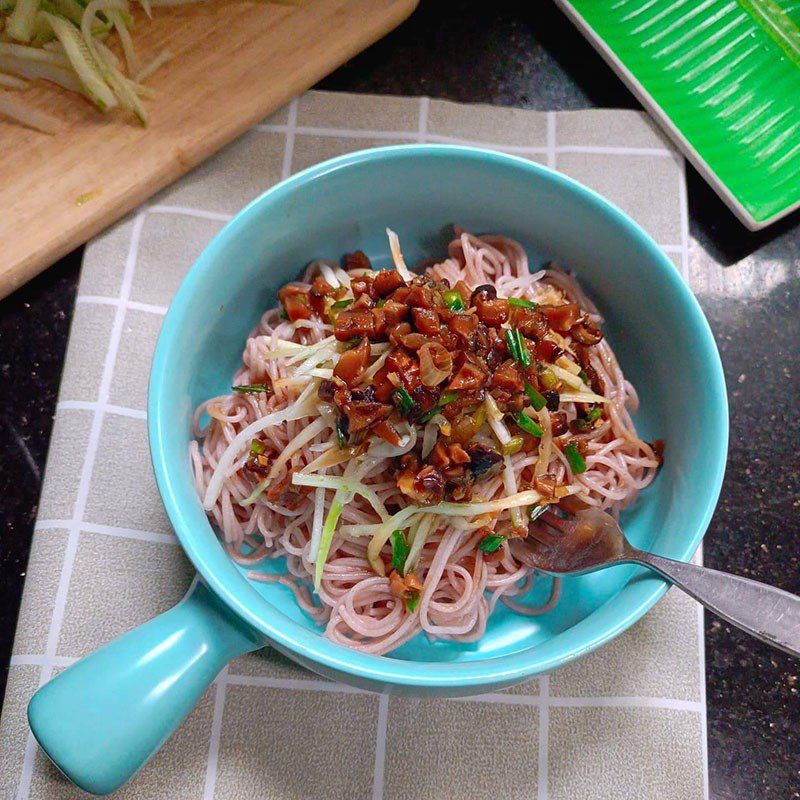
354, 489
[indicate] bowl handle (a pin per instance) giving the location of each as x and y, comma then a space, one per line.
104, 717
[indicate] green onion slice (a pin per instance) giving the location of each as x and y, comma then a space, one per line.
453, 300
405, 403
511, 341
537, 399
594, 414
490, 543
444, 399
548, 379
517, 347
412, 602
256, 447
342, 303
341, 431
584, 424
575, 459
519, 302
528, 425
251, 388
400, 551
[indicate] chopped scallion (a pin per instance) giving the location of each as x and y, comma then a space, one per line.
528, 425
491, 543
453, 300
400, 551
412, 602
575, 459
256, 447
342, 303
447, 397
444, 399
252, 388
328, 529
536, 512
342, 430
511, 341
405, 402
517, 347
513, 445
536, 398
548, 379
519, 302
524, 355
584, 424
583, 376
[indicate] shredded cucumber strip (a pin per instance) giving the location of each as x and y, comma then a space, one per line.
39, 69
83, 62
423, 531
353, 474
20, 23
299, 441
345, 485
119, 84
131, 58
70, 9
255, 494
582, 397
327, 537
297, 410
28, 53
401, 519
148, 69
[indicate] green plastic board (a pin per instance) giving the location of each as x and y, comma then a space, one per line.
723, 78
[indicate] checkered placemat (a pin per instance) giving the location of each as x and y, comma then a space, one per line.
625, 722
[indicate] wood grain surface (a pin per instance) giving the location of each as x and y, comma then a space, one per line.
234, 62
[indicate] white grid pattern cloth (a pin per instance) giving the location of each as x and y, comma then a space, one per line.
625, 722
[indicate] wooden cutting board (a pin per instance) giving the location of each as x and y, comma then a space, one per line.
234, 62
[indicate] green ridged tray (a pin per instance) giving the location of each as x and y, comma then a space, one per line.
723, 78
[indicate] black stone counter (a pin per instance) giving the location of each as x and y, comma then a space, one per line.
529, 55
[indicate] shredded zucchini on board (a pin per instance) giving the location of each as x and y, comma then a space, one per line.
64, 42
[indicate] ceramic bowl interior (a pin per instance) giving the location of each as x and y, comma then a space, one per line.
653, 322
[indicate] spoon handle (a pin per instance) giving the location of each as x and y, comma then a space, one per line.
770, 614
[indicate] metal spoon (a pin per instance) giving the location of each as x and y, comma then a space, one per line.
593, 540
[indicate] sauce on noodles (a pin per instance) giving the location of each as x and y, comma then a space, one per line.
394, 435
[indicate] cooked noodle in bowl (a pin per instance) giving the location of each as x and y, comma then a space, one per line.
396, 435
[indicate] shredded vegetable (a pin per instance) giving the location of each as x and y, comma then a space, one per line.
400, 551
537, 399
575, 459
62, 41
519, 302
252, 388
491, 543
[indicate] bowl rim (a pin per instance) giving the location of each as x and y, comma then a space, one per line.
633, 600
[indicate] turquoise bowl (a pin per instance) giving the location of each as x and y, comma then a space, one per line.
153, 675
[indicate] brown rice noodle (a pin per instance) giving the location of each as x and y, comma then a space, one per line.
461, 587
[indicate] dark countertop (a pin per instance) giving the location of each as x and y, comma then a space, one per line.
748, 285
